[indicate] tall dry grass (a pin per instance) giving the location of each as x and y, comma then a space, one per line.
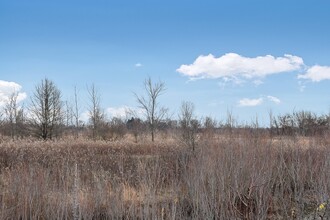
236, 176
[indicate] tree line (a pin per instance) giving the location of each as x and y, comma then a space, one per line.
49, 117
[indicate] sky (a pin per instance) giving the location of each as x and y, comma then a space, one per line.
247, 57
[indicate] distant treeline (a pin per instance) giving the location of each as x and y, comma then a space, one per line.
304, 123
49, 117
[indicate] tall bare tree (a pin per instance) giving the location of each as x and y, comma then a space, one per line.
149, 104
46, 109
189, 124
96, 115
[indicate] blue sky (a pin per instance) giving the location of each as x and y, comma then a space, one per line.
245, 56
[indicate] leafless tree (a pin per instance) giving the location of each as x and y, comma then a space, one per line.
271, 123
76, 111
46, 109
96, 115
10, 111
68, 114
230, 121
149, 104
14, 115
189, 124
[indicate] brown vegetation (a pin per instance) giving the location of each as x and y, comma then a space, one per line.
192, 169
231, 176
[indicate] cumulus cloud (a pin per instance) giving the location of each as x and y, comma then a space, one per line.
274, 99
316, 73
7, 89
250, 102
232, 65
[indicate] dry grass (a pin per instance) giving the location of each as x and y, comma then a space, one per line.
229, 177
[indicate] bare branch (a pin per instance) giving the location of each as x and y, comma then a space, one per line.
149, 104
46, 109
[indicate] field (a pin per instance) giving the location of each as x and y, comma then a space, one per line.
228, 176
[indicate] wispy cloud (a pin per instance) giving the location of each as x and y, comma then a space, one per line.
257, 82
302, 85
246, 102
250, 102
274, 99
8, 88
138, 65
230, 81
235, 66
316, 73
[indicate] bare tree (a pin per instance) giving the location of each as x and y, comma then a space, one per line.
10, 111
14, 116
189, 124
271, 123
68, 114
230, 120
46, 109
96, 115
76, 112
149, 104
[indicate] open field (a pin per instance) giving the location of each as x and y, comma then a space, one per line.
164, 110
227, 177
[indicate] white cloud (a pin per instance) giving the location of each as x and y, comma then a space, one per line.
255, 102
84, 116
316, 73
138, 65
230, 81
274, 99
124, 111
119, 112
257, 82
8, 88
232, 65
250, 102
